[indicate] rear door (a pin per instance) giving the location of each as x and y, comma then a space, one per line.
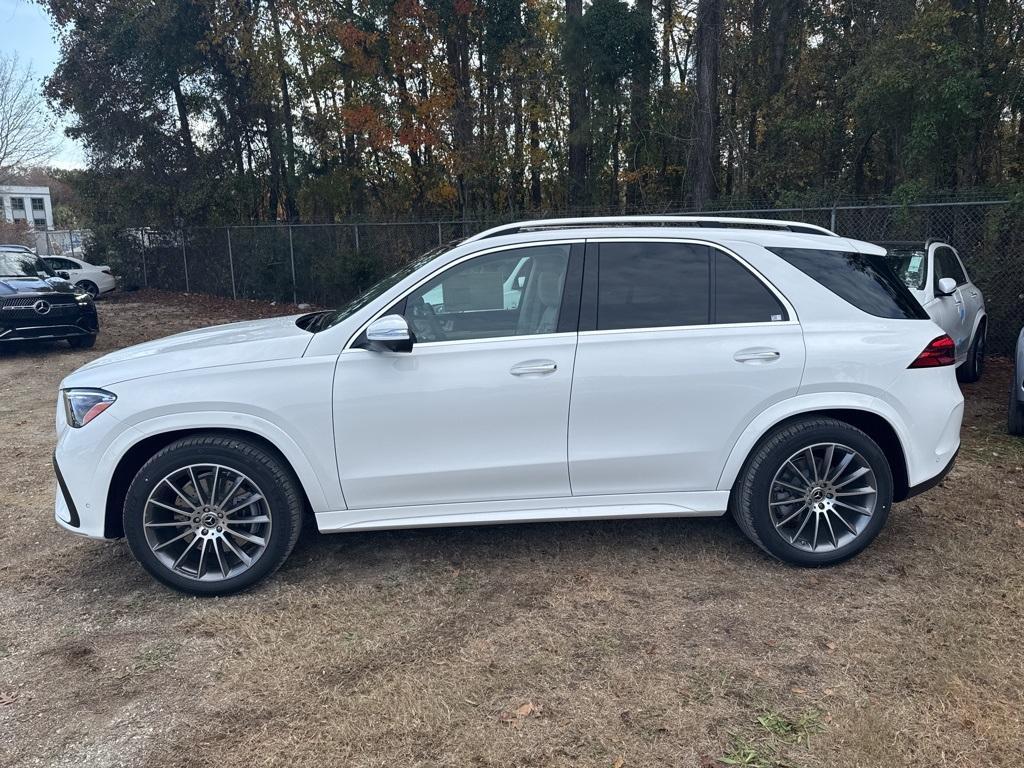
681, 345
951, 312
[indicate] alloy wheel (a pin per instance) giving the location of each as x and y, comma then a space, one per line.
822, 497
207, 522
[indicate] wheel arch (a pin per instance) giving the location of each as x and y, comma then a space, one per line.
877, 426
141, 451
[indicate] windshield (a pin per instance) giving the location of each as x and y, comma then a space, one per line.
335, 316
19, 264
910, 265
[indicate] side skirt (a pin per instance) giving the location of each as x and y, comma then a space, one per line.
683, 504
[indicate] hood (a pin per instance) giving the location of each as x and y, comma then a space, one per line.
16, 286
255, 341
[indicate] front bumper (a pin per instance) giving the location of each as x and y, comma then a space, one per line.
79, 321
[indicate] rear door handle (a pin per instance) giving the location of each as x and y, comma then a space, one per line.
534, 368
757, 355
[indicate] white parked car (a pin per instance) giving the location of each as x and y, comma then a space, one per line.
935, 274
653, 366
94, 280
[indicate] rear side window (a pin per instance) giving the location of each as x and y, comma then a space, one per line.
866, 281
740, 297
652, 285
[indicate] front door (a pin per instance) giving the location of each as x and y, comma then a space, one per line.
684, 346
478, 410
950, 312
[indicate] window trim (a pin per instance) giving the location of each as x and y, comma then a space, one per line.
588, 309
575, 250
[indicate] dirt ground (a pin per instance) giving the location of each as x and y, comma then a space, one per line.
654, 643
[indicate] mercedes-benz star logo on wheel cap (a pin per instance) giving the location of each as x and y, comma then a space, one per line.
41, 306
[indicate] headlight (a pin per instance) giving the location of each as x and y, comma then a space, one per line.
83, 405
83, 298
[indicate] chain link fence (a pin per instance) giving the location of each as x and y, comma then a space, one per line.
327, 264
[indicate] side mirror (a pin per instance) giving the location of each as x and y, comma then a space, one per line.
946, 286
389, 333
63, 273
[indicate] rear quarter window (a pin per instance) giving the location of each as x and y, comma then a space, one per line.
866, 281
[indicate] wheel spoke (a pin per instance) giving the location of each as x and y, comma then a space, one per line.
238, 553
158, 547
247, 520
213, 486
196, 487
248, 502
853, 476
809, 453
184, 553
234, 488
175, 510
842, 519
857, 492
858, 510
803, 477
791, 487
175, 524
801, 528
831, 530
181, 495
220, 560
780, 524
826, 462
817, 522
258, 540
842, 466
202, 557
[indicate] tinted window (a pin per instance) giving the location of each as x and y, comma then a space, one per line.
910, 265
652, 285
509, 293
867, 282
948, 265
740, 297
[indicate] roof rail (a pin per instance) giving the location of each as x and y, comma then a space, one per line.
646, 221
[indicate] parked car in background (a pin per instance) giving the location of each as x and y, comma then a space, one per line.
935, 274
652, 366
1015, 414
94, 280
36, 305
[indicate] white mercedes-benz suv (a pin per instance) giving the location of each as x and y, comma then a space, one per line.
634, 367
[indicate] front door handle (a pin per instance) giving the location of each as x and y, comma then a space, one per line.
534, 368
757, 355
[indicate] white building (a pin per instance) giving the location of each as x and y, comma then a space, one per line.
28, 204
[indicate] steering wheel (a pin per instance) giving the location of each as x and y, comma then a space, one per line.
424, 321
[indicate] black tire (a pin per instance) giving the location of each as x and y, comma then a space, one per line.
1015, 409
82, 342
974, 365
750, 497
275, 479
89, 287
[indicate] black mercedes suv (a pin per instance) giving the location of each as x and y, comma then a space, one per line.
37, 305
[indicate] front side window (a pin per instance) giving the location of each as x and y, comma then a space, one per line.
517, 292
864, 280
948, 265
653, 285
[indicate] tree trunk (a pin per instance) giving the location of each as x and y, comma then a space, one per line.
291, 209
705, 147
639, 104
577, 138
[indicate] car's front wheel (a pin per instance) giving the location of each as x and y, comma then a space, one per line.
213, 514
83, 342
814, 492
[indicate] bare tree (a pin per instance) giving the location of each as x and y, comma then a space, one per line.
704, 162
27, 135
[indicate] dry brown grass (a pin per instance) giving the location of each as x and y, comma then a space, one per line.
653, 643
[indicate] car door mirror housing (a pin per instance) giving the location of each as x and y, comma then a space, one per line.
63, 273
946, 286
389, 333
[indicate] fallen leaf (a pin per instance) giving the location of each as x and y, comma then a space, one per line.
798, 690
526, 710
619, 762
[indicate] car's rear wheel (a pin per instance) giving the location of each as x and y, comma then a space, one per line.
212, 515
89, 287
1015, 409
974, 365
815, 492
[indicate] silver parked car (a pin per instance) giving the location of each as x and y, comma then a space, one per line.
1015, 415
935, 274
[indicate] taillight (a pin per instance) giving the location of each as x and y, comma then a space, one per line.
940, 351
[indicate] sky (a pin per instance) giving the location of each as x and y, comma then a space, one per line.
25, 30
